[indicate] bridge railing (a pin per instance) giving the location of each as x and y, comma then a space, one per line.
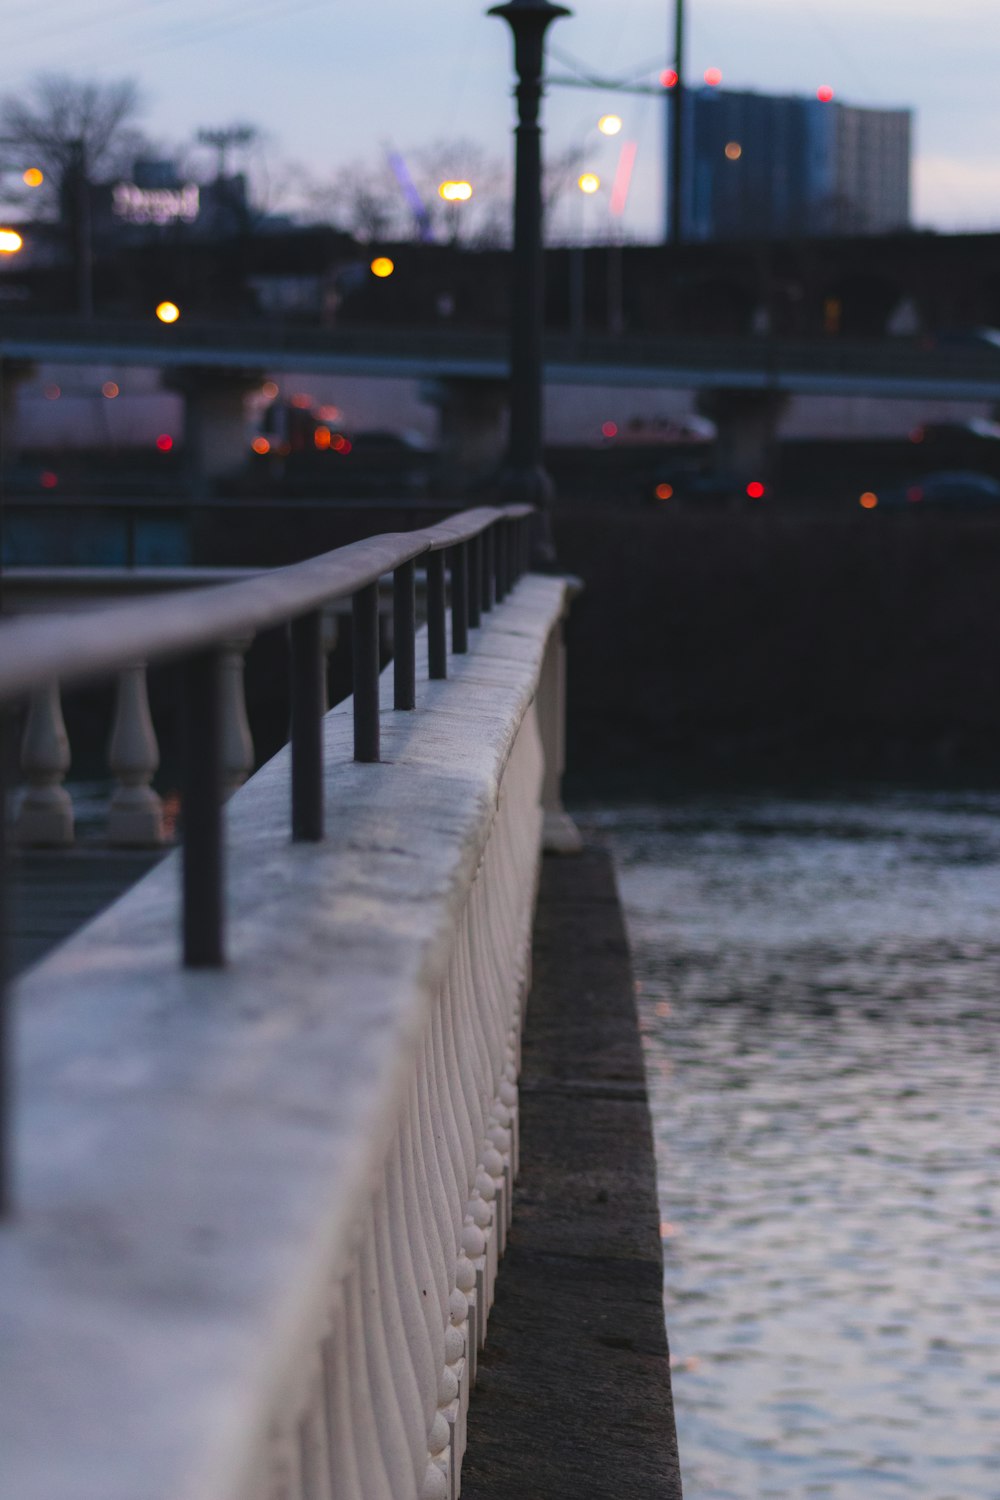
205, 341
262, 1194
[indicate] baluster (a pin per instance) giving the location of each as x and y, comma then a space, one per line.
204, 853
459, 558
329, 640
45, 815
404, 615
366, 674
135, 816
437, 628
237, 741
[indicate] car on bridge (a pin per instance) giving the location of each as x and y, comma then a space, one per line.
950, 489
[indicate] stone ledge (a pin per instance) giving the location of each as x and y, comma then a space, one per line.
574, 1398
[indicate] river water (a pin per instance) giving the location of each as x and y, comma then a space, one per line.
819, 988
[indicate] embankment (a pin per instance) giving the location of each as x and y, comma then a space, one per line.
757, 643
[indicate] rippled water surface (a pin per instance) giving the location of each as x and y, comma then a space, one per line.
820, 993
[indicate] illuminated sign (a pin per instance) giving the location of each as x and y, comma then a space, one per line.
155, 205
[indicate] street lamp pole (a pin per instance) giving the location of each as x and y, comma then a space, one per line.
525, 479
676, 215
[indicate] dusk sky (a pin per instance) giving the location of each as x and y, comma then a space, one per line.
332, 83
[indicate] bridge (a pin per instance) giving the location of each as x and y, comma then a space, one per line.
267, 1128
888, 367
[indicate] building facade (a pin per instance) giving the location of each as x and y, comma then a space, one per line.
770, 166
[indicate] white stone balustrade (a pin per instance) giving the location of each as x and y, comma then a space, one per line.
261, 1209
45, 813
135, 816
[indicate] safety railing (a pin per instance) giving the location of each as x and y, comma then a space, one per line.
486, 550
263, 1194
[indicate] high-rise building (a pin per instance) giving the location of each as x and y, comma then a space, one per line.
769, 166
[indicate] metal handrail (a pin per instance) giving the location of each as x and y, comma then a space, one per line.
487, 550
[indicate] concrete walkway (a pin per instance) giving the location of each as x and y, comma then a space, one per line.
573, 1400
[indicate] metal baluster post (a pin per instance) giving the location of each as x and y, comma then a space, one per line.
308, 700
475, 547
489, 569
437, 626
500, 559
203, 904
459, 599
404, 629
365, 661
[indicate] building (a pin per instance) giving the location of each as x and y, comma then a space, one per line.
768, 166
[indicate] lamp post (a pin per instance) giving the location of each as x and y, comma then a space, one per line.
525, 479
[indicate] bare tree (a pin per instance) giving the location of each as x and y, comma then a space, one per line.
73, 130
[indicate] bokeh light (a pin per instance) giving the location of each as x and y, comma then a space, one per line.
110, 389
164, 442
609, 124
824, 93
455, 192
713, 77
33, 177
53, 392
48, 480
10, 242
382, 267
868, 500
733, 150
588, 182
664, 491
755, 489
269, 389
167, 312
261, 445
609, 429
668, 78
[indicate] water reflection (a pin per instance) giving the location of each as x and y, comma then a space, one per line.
819, 993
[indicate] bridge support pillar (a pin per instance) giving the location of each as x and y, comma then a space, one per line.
13, 372
746, 423
472, 429
215, 437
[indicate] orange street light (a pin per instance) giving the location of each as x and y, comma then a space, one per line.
382, 267
10, 242
455, 192
167, 312
33, 177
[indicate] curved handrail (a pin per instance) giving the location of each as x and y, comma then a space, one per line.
34, 651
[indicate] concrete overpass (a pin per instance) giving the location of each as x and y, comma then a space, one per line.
888, 367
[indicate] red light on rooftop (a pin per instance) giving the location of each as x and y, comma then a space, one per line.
609, 429
48, 480
338, 442
261, 445
713, 77
668, 78
755, 489
321, 438
164, 442
868, 500
917, 435
302, 401
824, 93
914, 493
664, 491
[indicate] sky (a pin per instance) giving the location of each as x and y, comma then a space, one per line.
332, 83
